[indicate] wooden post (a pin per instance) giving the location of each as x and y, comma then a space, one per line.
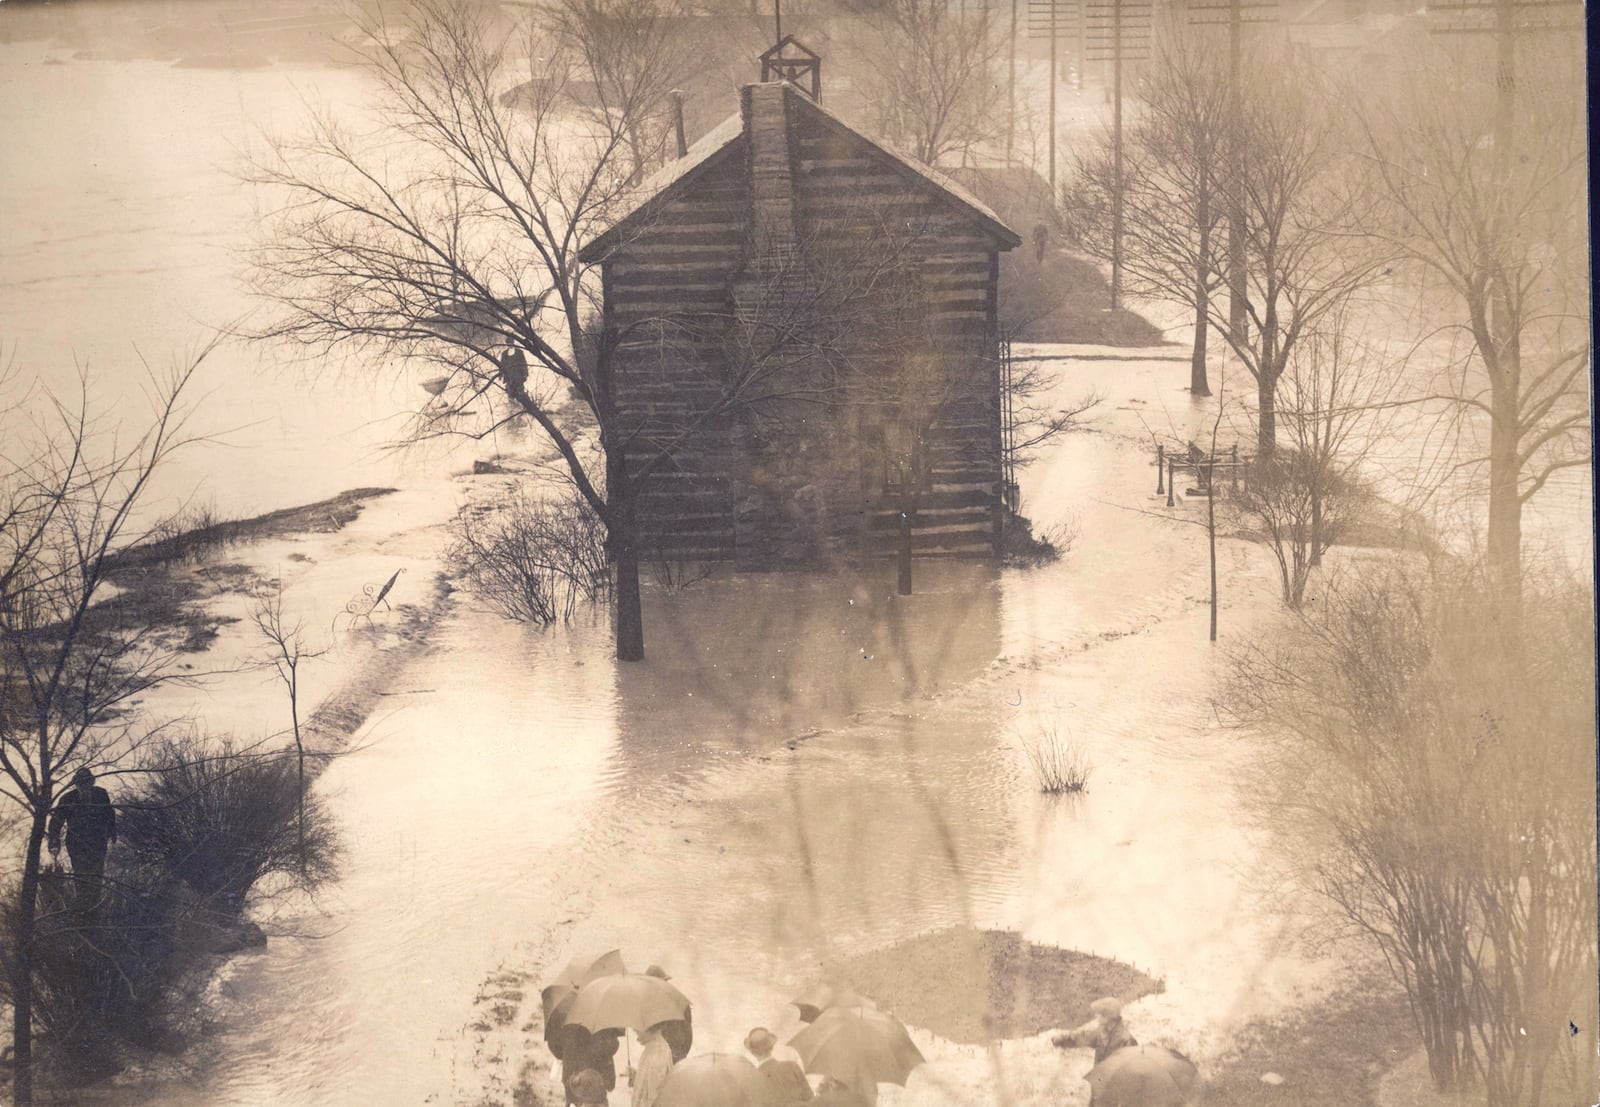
1161, 467
1235, 452
1172, 479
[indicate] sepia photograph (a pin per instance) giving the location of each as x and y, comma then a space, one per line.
755, 553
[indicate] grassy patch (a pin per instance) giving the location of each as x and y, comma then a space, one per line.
1332, 1054
973, 986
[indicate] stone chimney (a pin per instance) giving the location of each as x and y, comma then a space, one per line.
772, 203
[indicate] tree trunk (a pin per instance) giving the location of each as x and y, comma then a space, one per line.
1505, 507
1267, 414
22, 960
300, 769
903, 584
1316, 521
1198, 385
1211, 534
629, 613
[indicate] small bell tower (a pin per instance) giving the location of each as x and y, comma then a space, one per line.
792, 61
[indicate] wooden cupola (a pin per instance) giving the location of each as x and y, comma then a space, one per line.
792, 61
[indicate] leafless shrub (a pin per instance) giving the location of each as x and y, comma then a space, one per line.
1430, 775
222, 820
193, 534
1301, 510
674, 576
1059, 765
1022, 549
532, 559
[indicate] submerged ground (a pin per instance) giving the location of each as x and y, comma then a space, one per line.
806, 771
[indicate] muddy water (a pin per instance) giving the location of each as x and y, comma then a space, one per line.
120, 241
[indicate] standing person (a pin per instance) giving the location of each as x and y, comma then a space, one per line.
582, 1051
655, 1063
679, 1032
1105, 1033
91, 824
786, 1081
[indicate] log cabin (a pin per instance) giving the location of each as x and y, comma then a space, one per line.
802, 324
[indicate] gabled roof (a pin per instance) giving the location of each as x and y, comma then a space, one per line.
667, 182
672, 180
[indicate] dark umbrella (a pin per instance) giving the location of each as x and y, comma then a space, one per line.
713, 1080
557, 1001
818, 998
1143, 1076
861, 1046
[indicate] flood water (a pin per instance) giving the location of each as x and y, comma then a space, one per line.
805, 767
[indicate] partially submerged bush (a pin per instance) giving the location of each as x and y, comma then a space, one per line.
1059, 766
221, 821
532, 559
1020, 548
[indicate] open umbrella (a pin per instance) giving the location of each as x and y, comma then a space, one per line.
861, 1046
818, 998
557, 1001
713, 1080
628, 1001
581, 970
1143, 1076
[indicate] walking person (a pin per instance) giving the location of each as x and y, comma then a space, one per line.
679, 1033
91, 824
655, 1063
1105, 1033
786, 1082
582, 1051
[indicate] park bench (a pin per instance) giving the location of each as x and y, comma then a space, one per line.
1206, 467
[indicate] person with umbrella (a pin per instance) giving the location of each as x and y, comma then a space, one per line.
655, 1065
584, 1052
1105, 1034
678, 1032
860, 1046
786, 1082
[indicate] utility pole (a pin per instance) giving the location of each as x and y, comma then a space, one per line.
1047, 19
1120, 30
1011, 86
1235, 15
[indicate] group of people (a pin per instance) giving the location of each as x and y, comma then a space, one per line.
589, 1072
589, 1066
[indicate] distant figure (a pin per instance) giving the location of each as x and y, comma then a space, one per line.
91, 824
836, 1093
786, 1081
583, 1052
514, 370
679, 1032
1105, 1033
655, 1063
588, 1089
1041, 235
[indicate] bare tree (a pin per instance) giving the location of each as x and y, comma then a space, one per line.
1431, 779
70, 668
1170, 187
1294, 190
285, 650
454, 241
931, 74
1334, 403
1495, 213
624, 57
